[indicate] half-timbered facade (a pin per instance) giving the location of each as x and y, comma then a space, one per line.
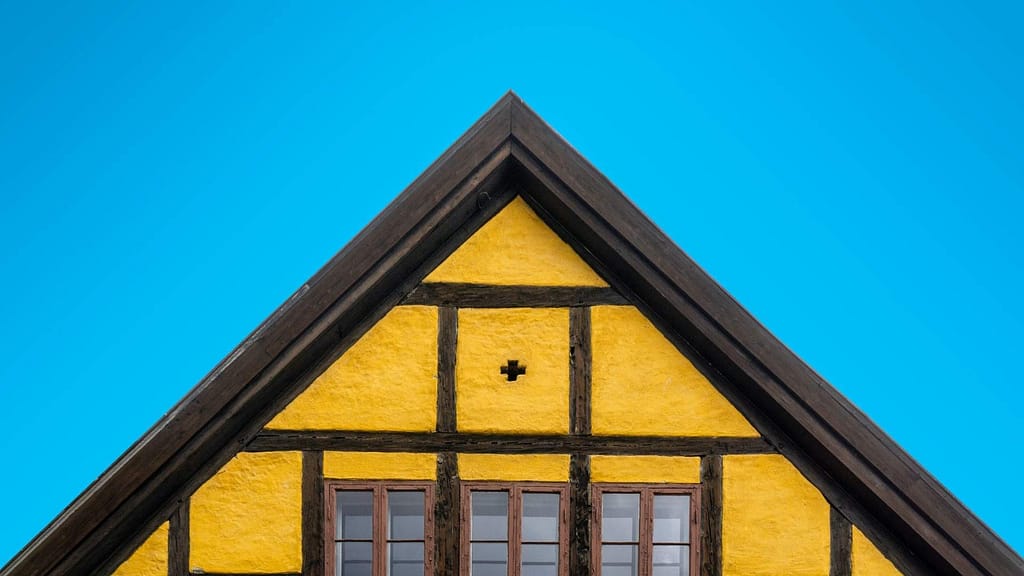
512, 372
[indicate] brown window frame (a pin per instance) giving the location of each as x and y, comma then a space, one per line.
515, 540
646, 536
379, 519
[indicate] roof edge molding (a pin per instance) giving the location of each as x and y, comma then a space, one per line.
510, 151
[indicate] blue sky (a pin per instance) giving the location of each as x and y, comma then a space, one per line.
170, 173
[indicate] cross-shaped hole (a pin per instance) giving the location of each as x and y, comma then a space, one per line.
513, 370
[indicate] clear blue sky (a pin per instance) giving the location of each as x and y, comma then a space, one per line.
171, 172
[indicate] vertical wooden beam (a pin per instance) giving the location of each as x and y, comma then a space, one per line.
580, 507
711, 515
841, 545
447, 508
313, 561
579, 370
178, 541
447, 340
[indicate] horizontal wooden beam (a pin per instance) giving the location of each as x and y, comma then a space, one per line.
281, 440
493, 296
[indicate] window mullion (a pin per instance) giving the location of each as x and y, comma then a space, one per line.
379, 531
515, 530
646, 533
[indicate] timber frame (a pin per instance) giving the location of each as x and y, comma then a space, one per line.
868, 479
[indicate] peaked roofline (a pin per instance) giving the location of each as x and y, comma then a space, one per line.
916, 522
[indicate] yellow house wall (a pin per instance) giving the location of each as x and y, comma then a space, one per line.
248, 517
868, 560
514, 468
773, 520
150, 558
643, 385
627, 469
395, 359
379, 466
497, 254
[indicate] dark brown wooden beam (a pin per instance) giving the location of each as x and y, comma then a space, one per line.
178, 541
281, 440
841, 544
580, 514
492, 296
447, 340
446, 516
579, 371
711, 515
313, 513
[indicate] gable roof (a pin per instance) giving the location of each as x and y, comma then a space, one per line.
510, 151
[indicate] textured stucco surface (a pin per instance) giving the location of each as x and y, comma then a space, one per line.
537, 401
773, 520
514, 468
386, 381
516, 247
643, 385
247, 518
668, 469
379, 466
150, 558
868, 560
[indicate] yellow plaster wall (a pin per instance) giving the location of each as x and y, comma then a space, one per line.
673, 469
868, 560
514, 468
379, 466
248, 517
643, 385
539, 400
386, 381
773, 520
516, 247
150, 558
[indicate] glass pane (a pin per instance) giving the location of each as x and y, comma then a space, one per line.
353, 558
354, 515
490, 515
620, 518
405, 559
488, 559
671, 561
619, 560
671, 518
405, 515
540, 517
540, 560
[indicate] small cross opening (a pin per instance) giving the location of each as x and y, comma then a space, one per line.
513, 370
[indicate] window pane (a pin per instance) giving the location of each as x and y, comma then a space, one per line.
353, 558
354, 515
490, 515
671, 561
540, 560
671, 518
619, 560
405, 515
620, 518
405, 559
540, 517
488, 559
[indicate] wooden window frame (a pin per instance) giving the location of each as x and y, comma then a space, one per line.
515, 540
379, 518
646, 520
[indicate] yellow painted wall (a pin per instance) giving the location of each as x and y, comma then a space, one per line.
868, 560
386, 381
773, 520
379, 466
516, 247
643, 385
150, 558
669, 469
537, 401
514, 468
248, 517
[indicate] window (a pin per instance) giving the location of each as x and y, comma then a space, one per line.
515, 529
645, 530
380, 529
